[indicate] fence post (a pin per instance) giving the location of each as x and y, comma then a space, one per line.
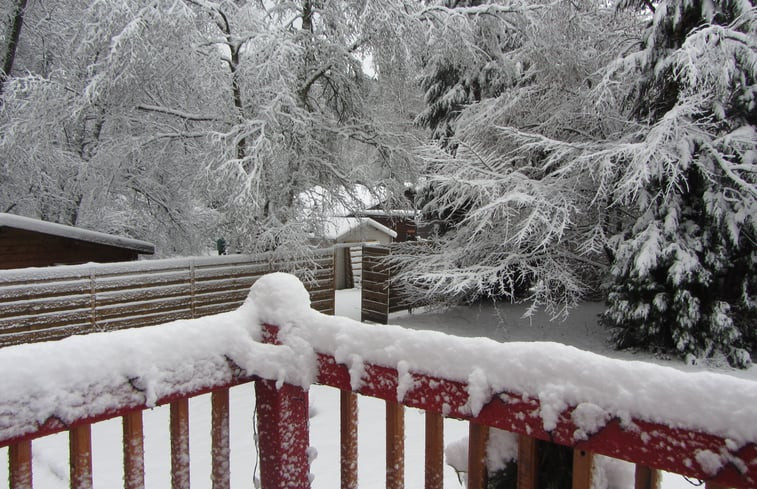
376, 289
283, 435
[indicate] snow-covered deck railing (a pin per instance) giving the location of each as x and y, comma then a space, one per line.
699, 424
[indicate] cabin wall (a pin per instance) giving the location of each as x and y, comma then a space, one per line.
21, 249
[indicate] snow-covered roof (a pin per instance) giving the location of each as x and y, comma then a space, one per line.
336, 227
53, 229
387, 213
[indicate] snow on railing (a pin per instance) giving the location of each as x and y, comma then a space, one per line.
702, 425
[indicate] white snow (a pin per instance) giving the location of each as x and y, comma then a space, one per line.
67, 379
336, 227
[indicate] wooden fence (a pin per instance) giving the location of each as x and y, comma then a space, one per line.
41, 304
380, 296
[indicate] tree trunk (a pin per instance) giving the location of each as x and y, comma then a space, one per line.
10, 53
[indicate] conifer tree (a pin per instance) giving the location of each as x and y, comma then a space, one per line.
683, 277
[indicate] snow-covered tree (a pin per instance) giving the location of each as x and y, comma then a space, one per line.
526, 223
683, 277
191, 120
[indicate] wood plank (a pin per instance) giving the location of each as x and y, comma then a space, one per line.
46, 321
220, 445
528, 462
179, 421
134, 451
714, 485
40, 290
114, 324
20, 465
182, 303
477, 437
434, 458
45, 334
146, 293
282, 420
80, 456
372, 277
373, 316
130, 282
582, 462
646, 477
348, 437
373, 296
395, 445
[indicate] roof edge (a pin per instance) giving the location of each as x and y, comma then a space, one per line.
71, 232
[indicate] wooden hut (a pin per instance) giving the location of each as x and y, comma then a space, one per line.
26, 242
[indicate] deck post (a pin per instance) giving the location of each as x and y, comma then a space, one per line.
20, 465
434, 450
283, 435
646, 477
220, 442
395, 445
478, 436
179, 429
80, 456
582, 464
528, 462
348, 436
134, 450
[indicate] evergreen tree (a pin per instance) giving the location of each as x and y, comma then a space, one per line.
683, 275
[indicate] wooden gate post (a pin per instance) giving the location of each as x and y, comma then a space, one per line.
283, 435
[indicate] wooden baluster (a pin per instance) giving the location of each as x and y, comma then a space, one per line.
134, 451
646, 477
528, 462
477, 438
80, 456
180, 444
434, 450
348, 429
20, 465
283, 433
582, 462
220, 449
395, 445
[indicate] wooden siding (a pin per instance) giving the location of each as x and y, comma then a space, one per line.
20, 249
49, 304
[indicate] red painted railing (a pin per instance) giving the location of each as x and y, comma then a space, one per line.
282, 422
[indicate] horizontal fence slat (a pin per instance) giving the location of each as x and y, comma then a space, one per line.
43, 290
142, 294
41, 304
138, 308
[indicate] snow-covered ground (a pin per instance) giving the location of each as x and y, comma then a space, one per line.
501, 323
